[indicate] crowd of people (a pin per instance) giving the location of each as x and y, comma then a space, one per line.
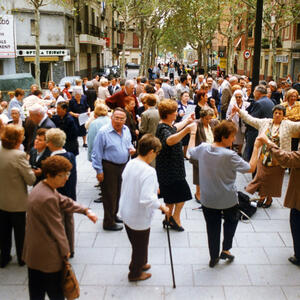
139, 133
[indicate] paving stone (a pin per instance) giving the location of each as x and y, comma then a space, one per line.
112, 239
257, 293
291, 292
249, 256
223, 274
279, 256
188, 256
287, 238
178, 239
271, 226
16, 292
85, 239
195, 293
278, 213
136, 293
156, 256
13, 274
92, 292
256, 239
94, 255
274, 274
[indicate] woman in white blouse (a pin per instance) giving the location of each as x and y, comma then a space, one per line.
138, 201
103, 92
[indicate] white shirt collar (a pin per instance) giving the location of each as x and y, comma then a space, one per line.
58, 152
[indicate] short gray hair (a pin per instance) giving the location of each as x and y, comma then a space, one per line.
232, 79
56, 136
240, 92
15, 109
129, 82
77, 90
55, 91
206, 112
89, 84
261, 89
37, 109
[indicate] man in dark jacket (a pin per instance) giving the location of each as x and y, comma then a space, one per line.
261, 108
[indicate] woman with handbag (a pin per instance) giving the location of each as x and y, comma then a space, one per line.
46, 245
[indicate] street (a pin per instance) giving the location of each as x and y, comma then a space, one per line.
260, 269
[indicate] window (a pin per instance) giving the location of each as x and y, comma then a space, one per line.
135, 41
32, 27
250, 32
70, 33
285, 70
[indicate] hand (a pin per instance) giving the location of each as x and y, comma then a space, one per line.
213, 102
137, 132
235, 109
164, 209
263, 138
47, 97
191, 118
192, 127
100, 177
92, 216
37, 172
132, 151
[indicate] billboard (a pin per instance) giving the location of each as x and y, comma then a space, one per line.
7, 37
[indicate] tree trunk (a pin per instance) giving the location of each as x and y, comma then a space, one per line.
199, 53
246, 44
230, 57
274, 53
37, 46
205, 59
123, 52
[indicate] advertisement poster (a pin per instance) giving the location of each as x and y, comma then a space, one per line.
7, 37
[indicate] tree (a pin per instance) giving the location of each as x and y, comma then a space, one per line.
37, 4
233, 15
278, 15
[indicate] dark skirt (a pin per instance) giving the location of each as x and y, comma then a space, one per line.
177, 192
267, 181
82, 131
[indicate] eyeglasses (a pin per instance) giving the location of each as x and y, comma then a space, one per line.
119, 119
67, 174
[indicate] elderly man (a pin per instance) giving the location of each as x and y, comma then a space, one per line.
118, 99
183, 87
57, 97
168, 90
39, 117
49, 95
212, 92
261, 108
276, 96
226, 96
17, 102
111, 151
114, 87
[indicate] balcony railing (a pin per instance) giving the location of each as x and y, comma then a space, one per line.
94, 30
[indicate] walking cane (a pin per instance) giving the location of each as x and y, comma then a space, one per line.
171, 259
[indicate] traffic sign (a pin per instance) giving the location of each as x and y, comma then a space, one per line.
247, 54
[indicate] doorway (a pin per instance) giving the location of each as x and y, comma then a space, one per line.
45, 73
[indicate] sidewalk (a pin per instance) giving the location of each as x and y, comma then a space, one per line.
260, 269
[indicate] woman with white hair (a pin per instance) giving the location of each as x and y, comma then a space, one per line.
56, 139
15, 117
103, 92
78, 105
240, 135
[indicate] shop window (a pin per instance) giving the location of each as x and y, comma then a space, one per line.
285, 70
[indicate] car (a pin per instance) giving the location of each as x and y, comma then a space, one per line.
132, 66
109, 72
71, 79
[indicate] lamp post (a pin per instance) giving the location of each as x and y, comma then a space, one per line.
257, 43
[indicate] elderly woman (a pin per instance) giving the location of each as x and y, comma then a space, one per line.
16, 117
56, 139
91, 95
15, 174
170, 162
64, 121
101, 119
138, 201
240, 135
217, 175
103, 92
269, 177
46, 244
204, 134
291, 160
78, 105
292, 106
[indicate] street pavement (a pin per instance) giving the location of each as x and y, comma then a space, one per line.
260, 269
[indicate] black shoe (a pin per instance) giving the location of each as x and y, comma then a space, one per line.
165, 223
118, 220
227, 256
85, 145
5, 262
21, 263
72, 254
114, 227
99, 200
213, 262
174, 225
294, 260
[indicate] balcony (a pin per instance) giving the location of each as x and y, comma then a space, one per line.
94, 30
